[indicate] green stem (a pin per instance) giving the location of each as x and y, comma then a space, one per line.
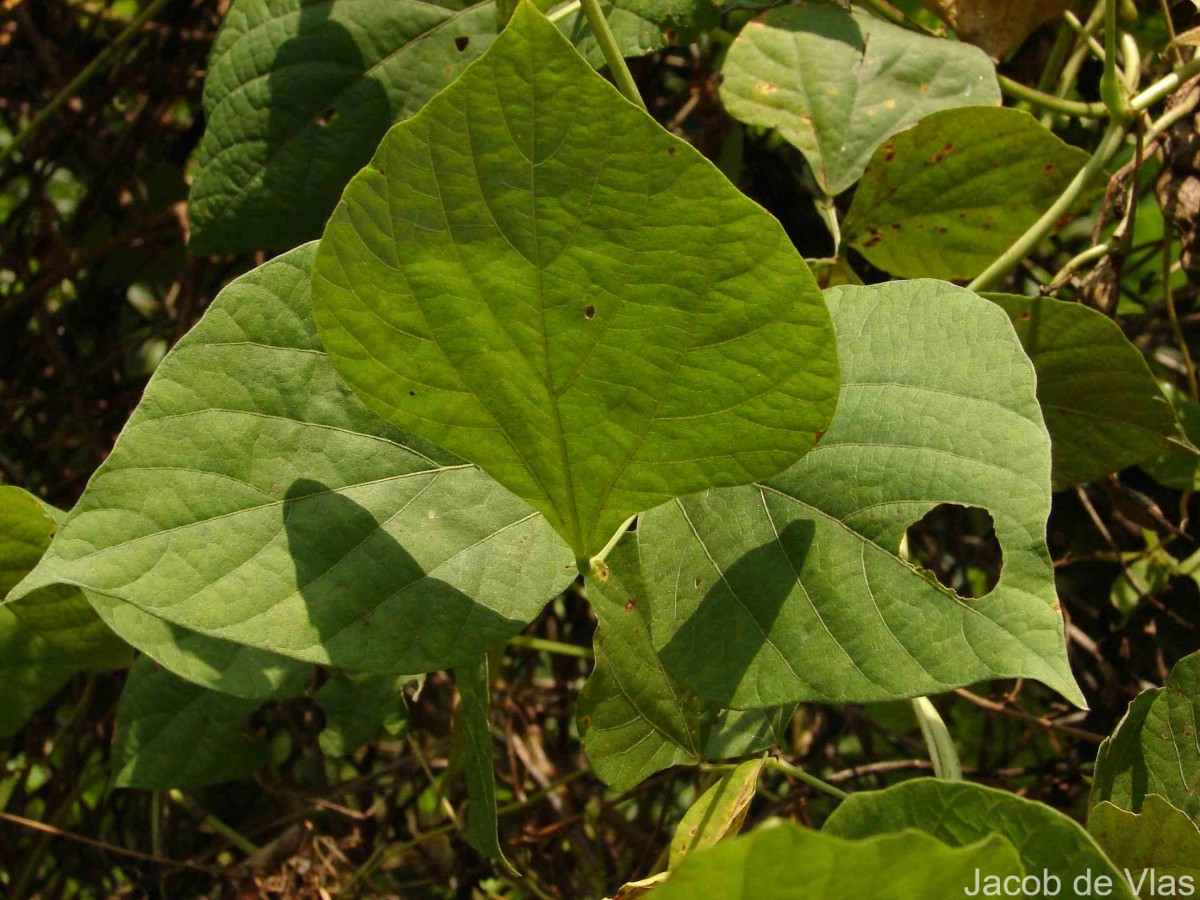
1108, 81
937, 738
1076, 108
236, 838
1091, 254
1165, 85
89, 71
612, 53
782, 765
1109, 144
536, 643
563, 11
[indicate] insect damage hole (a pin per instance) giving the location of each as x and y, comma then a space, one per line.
957, 546
589, 312
325, 118
461, 43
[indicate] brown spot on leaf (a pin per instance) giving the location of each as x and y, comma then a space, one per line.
630, 604
671, 149
817, 437
1024, 317
585, 721
889, 152
1048, 168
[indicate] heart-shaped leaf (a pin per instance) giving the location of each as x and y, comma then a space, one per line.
299, 92
253, 498
535, 275
795, 589
946, 197
835, 83
1102, 405
786, 861
961, 814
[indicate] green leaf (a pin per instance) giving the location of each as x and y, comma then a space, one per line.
946, 197
634, 719
960, 813
786, 861
475, 699
171, 733
535, 275
718, 813
358, 708
1161, 838
32, 670
253, 498
795, 589
1155, 749
59, 614
835, 83
1103, 408
299, 93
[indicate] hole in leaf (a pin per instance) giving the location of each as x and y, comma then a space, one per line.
461, 43
589, 312
957, 546
325, 119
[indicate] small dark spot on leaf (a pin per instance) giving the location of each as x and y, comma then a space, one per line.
1024, 317
412, 393
1048, 168
817, 437
692, 831
671, 149
889, 152
602, 573
995, 163
383, 171
460, 43
941, 230
895, 226
589, 312
447, 70
630, 604
585, 721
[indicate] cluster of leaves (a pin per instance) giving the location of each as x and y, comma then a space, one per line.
539, 349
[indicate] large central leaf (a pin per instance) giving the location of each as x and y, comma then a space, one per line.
534, 275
